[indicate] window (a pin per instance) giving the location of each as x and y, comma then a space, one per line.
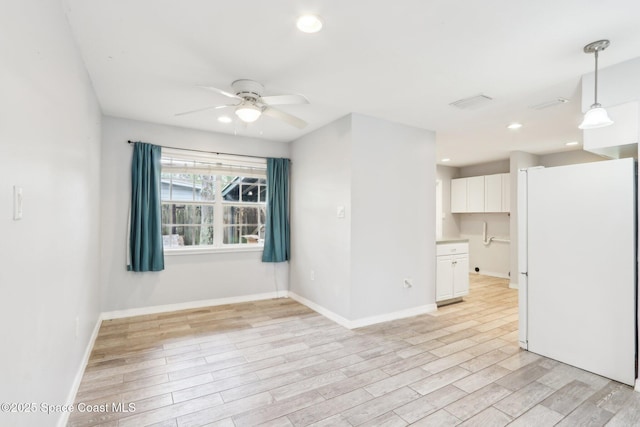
212, 201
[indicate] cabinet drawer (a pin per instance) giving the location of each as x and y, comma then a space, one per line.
452, 248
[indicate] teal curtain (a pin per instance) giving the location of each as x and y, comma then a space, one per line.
276, 239
145, 226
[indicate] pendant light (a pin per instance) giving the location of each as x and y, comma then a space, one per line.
597, 116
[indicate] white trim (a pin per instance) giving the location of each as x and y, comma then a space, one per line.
245, 247
64, 416
637, 386
491, 274
141, 311
321, 310
513, 285
387, 317
365, 321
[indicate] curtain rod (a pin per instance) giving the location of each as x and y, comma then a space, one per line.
204, 151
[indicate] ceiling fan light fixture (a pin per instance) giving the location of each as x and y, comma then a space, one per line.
309, 23
248, 113
224, 119
597, 116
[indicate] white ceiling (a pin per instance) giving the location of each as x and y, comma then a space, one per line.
403, 61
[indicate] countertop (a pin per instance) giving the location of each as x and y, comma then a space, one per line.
451, 240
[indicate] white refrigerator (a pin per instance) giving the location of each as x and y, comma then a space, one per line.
577, 262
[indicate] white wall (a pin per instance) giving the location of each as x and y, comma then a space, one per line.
393, 217
492, 259
383, 174
617, 84
450, 222
568, 158
489, 168
186, 278
49, 145
320, 242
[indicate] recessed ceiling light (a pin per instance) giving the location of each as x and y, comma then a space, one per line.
224, 119
569, 144
445, 160
309, 23
514, 126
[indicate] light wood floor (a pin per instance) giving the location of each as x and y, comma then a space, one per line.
277, 363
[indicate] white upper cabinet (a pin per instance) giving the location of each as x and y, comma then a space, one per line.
506, 192
475, 194
493, 193
488, 193
459, 195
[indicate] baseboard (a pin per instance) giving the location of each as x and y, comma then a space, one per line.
321, 310
513, 285
365, 321
491, 274
64, 416
401, 314
637, 387
142, 311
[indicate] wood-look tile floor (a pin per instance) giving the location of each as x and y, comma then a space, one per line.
277, 363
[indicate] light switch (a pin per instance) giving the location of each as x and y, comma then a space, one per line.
17, 202
340, 212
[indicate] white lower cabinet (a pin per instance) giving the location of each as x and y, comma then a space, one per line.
452, 271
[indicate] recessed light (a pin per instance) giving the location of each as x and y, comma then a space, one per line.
309, 23
445, 160
514, 126
224, 119
569, 144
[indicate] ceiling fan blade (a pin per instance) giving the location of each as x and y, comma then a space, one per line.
284, 99
285, 117
215, 107
221, 92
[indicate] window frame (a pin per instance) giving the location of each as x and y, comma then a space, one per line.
218, 165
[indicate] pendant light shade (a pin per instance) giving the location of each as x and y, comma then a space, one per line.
597, 116
248, 112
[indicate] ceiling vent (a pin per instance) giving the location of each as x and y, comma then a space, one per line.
472, 103
554, 102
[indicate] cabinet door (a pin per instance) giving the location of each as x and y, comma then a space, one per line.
460, 275
506, 192
459, 195
493, 193
444, 278
475, 194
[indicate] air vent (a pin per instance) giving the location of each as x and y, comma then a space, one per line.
472, 103
547, 104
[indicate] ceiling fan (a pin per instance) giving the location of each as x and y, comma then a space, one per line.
251, 104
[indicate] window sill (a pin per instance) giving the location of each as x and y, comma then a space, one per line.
224, 249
